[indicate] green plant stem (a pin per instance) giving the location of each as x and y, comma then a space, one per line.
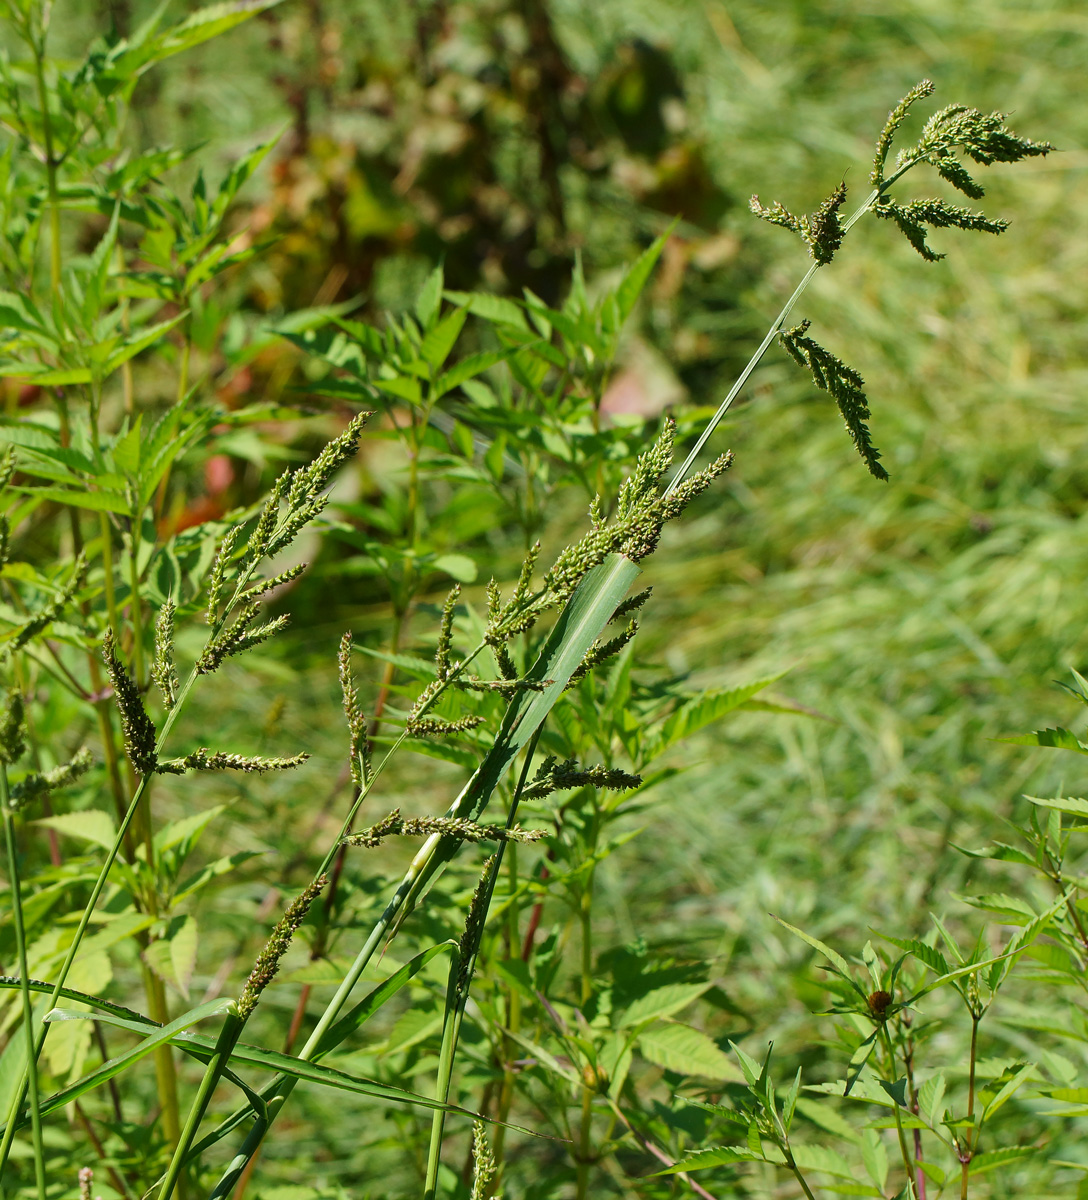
904, 1151
797, 1174
38, 47
460, 981
24, 976
224, 1047
968, 1150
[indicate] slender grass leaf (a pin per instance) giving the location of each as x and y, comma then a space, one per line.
638, 273
116, 1065
833, 956
686, 1051
362, 1012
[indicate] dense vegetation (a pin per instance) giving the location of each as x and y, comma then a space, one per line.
519, 235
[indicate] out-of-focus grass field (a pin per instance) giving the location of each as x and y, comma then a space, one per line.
923, 618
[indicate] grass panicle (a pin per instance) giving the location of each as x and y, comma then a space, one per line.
218, 760
456, 827
822, 232
136, 726
49, 612
163, 669
896, 117
359, 750
37, 784
279, 942
13, 729
554, 776
845, 386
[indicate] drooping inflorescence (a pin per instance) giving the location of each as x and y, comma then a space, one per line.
845, 386
821, 232
41, 783
136, 725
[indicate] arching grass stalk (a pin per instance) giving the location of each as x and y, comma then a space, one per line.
585, 615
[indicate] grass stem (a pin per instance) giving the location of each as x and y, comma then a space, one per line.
24, 976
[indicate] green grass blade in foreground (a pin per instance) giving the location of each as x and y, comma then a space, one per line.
580, 624
115, 1066
243, 1055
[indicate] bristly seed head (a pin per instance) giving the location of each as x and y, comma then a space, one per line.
136, 725
13, 729
37, 784
845, 386
205, 760
268, 961
163, 670
394, 825
359, 743
50, 612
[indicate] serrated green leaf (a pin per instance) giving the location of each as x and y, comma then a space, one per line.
686, 1051
718, 1156
90, 825
661, 1002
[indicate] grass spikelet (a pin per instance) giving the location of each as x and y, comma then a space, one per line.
37, 784
394, 825
48, 614
553, 776
268, 961
359, 748
238, 637
218, 760
163, 670
845, 386
137, 727
483, 1165
445, 634
438, 727
13, 729
602, 652
217, 580
895, 118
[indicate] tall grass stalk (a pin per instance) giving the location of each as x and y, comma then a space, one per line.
24, 976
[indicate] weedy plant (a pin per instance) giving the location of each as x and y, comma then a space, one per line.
532, 678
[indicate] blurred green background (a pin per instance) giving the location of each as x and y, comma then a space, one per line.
921, 619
